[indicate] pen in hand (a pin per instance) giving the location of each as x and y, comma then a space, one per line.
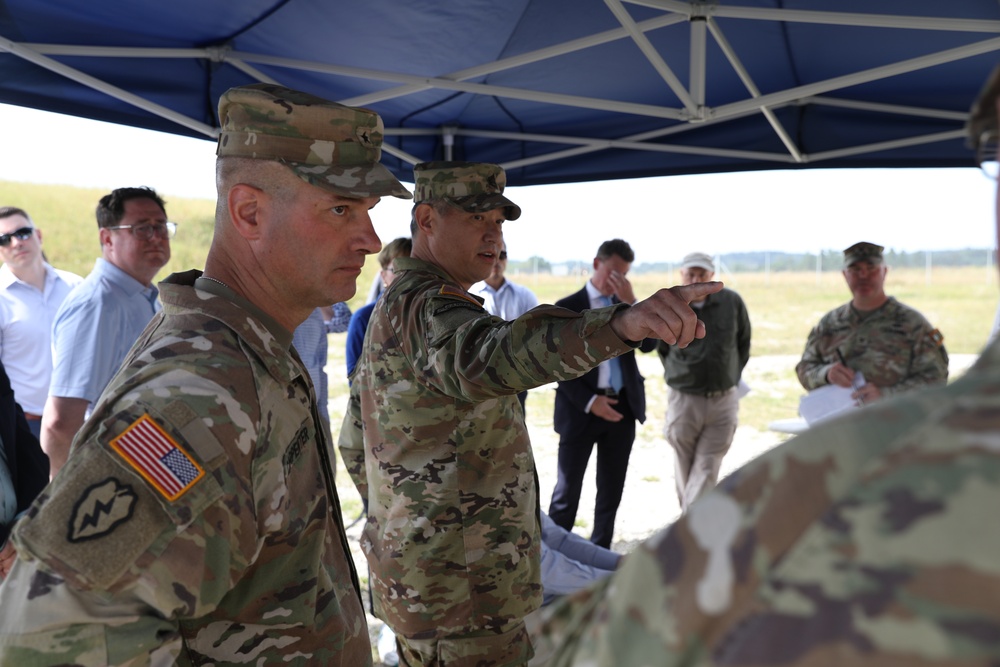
854, 382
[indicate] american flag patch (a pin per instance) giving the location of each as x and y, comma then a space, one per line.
156, 456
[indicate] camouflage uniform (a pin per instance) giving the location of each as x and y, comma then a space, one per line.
453, 537
895, 347
870, 540
227, 549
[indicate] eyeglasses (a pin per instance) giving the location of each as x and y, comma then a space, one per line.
22, 234
986, 153
164, 230
503, 254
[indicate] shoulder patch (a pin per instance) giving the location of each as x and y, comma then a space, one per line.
937, 338
158, 458
448, 290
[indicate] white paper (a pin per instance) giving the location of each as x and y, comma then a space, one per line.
829, 401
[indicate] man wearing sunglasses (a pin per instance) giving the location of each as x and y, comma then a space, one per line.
101, 319
31, 292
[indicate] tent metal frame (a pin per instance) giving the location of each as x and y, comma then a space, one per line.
693, 113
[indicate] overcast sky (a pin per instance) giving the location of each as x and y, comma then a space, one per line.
663, 218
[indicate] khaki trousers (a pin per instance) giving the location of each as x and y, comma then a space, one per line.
701, 430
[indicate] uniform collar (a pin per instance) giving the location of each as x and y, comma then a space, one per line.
269, 340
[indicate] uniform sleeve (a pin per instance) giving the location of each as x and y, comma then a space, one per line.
812, 368
128, 633
352, 445
108, 565
469, 355
929, 364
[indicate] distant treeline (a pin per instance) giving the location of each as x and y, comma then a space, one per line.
749, 262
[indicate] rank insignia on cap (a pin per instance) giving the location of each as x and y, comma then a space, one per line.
155, 456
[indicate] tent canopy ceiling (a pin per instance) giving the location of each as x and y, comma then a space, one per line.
553, 90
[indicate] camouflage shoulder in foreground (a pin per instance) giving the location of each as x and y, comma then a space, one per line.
195, 521
869, 540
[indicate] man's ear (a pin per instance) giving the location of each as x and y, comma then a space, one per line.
104, 234
597, 263
245, 205
425, 217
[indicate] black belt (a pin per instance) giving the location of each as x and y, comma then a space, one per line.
609, 392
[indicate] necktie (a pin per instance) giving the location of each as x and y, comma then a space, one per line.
614, 365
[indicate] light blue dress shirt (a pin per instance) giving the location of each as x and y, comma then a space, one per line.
309, 340
94, 329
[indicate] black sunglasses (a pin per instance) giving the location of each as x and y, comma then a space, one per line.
503, 254
21, 234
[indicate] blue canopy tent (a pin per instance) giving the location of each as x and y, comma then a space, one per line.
554, 90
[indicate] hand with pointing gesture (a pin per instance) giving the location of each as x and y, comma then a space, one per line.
665, 315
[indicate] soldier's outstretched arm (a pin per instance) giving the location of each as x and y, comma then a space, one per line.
665, 315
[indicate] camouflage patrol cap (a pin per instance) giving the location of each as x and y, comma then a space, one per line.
474, 187
326, 144
863, 252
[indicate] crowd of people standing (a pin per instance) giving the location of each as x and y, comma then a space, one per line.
193, 516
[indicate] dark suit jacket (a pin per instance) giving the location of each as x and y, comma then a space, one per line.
572, 396
28, 464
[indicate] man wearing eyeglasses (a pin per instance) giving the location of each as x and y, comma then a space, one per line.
31, 291
871, 539
893, 346
101, 319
